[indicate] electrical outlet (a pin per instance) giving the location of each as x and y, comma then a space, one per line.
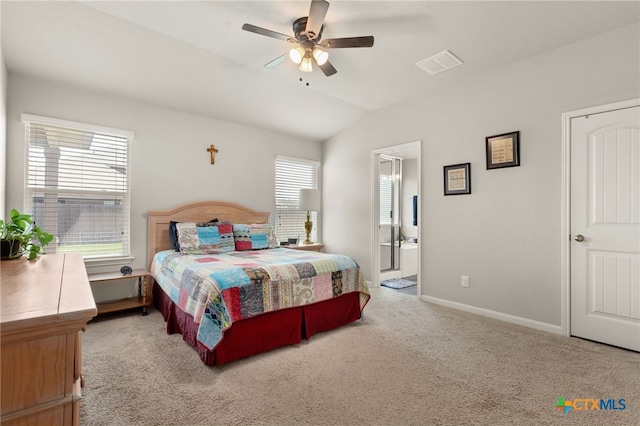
464, 280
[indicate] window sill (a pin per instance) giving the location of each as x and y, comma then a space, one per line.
108, 261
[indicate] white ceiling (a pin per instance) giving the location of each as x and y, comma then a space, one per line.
194, 56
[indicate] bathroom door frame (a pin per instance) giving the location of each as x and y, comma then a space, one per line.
396, 151
396, 212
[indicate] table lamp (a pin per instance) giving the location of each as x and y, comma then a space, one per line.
309, 201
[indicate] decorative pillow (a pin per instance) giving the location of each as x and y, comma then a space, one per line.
209, 239
173, 232
256, 236
173, 235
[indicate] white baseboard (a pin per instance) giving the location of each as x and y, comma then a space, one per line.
538, 325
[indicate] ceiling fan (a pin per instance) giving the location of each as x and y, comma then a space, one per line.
308, 36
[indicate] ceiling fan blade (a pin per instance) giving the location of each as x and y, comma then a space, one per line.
327, 68
268, 33
317, 12
277, 61
338, 43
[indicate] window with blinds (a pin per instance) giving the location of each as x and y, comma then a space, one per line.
386, 197
77, 185
292, 175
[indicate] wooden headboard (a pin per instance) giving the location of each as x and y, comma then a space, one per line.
204, 211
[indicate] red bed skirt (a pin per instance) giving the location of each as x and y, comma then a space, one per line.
263, 333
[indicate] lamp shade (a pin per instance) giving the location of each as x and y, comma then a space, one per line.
305, 64
309, 200
297, 54
320, 56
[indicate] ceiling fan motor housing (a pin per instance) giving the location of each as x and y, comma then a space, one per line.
299, 31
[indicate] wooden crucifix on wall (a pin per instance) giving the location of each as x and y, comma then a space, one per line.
212, 150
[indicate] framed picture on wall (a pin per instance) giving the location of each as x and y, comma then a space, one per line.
503, 150
457, 179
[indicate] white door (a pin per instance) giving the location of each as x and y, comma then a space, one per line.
605, 227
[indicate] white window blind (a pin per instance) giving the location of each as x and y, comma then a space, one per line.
292, 175
77, 185
386, 186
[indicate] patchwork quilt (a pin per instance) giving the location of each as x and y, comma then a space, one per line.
218, 289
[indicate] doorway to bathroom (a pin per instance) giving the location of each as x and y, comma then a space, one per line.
389, 219
396, 224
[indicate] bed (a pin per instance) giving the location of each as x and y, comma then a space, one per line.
243, 301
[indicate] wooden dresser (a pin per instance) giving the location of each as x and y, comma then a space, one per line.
45, 305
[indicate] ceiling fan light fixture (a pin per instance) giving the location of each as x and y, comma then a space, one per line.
310, 46
320, 56
305, 65
296, 54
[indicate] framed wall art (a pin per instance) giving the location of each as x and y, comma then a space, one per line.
503, 150
457, 179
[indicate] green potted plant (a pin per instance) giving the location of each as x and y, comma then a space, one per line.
19, 235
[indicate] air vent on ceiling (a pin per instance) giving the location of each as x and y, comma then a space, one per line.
441, 62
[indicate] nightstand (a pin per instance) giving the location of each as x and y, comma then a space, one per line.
306, 247
143, 299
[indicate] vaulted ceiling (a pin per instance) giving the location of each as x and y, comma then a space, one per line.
194, 56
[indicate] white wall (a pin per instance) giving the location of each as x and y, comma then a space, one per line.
506, 234
409, 189
170, 162
3, 132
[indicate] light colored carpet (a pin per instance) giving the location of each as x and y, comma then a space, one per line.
406, 363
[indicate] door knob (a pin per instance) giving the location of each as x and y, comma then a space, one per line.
579, 238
